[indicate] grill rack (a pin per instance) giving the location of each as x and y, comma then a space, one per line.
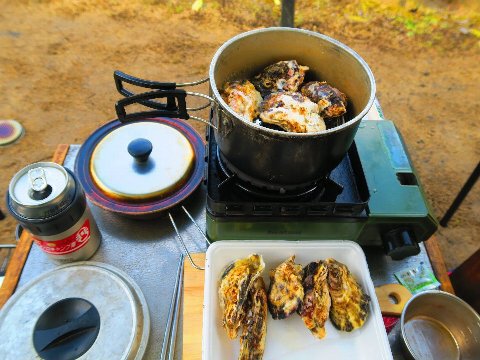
344, 194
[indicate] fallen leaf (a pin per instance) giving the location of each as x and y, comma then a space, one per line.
197, 5
475, 32
356, 18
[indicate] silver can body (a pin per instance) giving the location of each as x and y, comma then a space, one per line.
48, 201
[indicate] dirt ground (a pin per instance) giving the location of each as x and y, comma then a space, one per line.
57, 60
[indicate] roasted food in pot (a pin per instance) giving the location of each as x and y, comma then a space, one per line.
252, 340
331, 101
316, 301
243, 98
350, 304
292, 112
281, 76
235, 284
285, 293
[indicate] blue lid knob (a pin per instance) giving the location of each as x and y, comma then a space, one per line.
140, 149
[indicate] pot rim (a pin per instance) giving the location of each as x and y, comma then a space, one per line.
424, 293
225, 107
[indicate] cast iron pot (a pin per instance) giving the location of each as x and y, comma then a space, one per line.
268, 157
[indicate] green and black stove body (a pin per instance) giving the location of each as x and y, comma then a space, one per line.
373, 197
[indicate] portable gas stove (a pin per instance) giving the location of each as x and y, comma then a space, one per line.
372, 197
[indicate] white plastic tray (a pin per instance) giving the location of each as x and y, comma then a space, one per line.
289, 338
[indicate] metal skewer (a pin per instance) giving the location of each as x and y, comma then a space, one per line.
173, 332
170, 334
198, 227
183, 244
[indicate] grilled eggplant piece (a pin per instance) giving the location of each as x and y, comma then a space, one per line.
243, 98
331, 101
316, 301
236, 281
292, 112
349, 303
252, 340
285, 293
281, 76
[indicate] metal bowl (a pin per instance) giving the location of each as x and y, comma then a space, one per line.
438, 325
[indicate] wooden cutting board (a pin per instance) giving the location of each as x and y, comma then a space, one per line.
194, 281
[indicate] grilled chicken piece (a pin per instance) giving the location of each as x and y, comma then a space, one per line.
349, 303
292, 112
236, 281
252, 340
331, 101
285, 293
281, 76
243, 98
316, 301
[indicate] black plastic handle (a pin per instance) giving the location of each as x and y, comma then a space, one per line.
120, 77
176, 106
66, 330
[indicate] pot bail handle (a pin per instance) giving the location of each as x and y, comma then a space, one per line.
175, 107
120, 78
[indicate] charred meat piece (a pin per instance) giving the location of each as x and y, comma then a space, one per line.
350, 304
316, 301
281, 76
243, 98
285, 293
252, 340
292, 112
331, 101
236, 281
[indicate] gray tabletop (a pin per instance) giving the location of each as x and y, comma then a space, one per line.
149, 252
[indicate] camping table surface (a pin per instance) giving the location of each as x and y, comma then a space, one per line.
149, 252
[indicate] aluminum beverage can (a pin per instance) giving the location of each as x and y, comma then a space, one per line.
49, 202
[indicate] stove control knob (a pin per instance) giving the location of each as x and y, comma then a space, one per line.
400, 243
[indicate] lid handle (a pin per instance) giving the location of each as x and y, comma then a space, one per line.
66, 329
140, 149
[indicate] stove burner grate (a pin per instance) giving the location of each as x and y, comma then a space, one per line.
343, 194
263, 191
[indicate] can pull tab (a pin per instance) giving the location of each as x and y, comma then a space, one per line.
39, 188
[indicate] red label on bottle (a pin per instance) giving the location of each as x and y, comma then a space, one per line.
69, 244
